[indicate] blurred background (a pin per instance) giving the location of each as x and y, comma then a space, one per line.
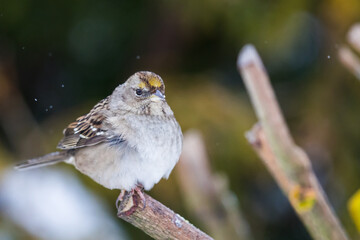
58, 58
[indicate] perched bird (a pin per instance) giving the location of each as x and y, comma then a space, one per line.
128, 141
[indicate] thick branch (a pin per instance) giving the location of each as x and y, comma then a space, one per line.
207, 195
289, 164
157, 220
353, 36
350, 60
347, 57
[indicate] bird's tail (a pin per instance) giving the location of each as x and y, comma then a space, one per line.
45, 160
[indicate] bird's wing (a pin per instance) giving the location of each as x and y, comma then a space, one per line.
87, 130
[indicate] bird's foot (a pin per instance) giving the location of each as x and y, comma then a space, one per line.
139, 190
120, 198
127, 202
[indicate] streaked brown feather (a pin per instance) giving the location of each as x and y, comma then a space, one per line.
87, 130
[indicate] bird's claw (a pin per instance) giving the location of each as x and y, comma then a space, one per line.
139, 190
120, 198
136, 194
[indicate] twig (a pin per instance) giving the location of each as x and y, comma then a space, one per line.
157, 220
353, 36
207, 195
350, 60
288, 163
347, 57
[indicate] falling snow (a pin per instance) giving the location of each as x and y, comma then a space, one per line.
35, 99
328, 57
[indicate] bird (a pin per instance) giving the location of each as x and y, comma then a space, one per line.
128, 141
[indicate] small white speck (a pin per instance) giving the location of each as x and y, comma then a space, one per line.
51, 106
93, 129
137, 57
82, 136
76, 129
62, 85
35, 99
46, 110
177, 221
50, 54
100, 133
328, 57
23, 47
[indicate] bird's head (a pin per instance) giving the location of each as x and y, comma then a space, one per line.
142, 93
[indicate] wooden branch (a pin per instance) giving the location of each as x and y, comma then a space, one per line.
288, 164
350, 60
157, 220
347, 57
207, 195
353, 36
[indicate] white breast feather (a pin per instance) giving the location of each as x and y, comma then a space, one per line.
145, 157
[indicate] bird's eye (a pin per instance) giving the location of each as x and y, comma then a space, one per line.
138, 91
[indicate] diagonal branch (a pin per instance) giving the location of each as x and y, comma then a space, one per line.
353, 36
289, 164
207, 194
350, 60
157, 220
347, 57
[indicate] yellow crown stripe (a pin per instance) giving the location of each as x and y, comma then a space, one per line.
154, 82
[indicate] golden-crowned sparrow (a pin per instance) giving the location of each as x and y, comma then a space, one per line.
129, 140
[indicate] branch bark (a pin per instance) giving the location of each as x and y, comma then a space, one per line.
353, 36
347, 57
289, 164
207, 195
157, 220
350, 60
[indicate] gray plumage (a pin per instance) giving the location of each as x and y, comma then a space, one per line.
127, 139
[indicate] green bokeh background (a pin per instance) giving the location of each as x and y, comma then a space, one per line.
69, 54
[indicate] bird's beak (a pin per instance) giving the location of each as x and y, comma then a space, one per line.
158, 94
